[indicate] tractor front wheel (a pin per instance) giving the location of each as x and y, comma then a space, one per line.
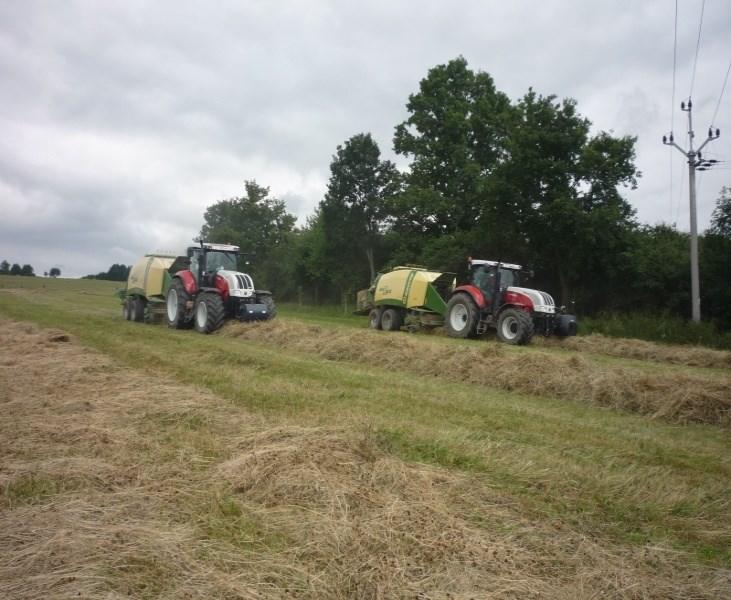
514, 326
208, 312
462, 317
176, 300
268, 301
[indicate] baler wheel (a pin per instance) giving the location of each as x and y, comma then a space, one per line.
374, 318
514, 326
391, 320
126, 310
138, 309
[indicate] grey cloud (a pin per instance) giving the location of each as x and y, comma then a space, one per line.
123, 121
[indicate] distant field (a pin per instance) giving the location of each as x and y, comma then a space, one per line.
310, 457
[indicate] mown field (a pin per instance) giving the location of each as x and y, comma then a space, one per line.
312, 458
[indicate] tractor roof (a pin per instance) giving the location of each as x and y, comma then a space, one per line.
494, 263
220, 247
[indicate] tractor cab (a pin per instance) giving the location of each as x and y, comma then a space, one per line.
208, 259
492, 278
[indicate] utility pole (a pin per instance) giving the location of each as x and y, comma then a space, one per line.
695, 160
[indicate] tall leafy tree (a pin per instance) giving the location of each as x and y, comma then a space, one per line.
255, 222
16, 269
455, 136
4, 267
27, 270
558, 192
354, 211
55, 272
721, 217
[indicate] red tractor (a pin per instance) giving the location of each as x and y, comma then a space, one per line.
494, 298
206, 288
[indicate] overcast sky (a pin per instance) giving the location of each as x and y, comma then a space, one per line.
122, 121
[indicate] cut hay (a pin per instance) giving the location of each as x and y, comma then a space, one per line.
116, 484
691, 356
674, 397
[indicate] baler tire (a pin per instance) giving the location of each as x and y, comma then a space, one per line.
181, 297
391, 320
515, 326
138, 309
374, 318
461, 309
208, 312
126, 310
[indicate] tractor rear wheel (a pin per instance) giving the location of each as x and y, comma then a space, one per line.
374, 318
514, 326
138, 309
208, 312
176, 300
462, 317
391, 320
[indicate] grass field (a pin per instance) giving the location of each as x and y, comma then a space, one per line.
312, 458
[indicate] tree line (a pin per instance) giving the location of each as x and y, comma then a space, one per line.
117, 272
522, 181
15, 269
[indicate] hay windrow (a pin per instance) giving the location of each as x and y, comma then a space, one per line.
674, 397
118, 485
691, 356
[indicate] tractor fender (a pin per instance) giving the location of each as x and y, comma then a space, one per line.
474, 292
516, 300
188, 282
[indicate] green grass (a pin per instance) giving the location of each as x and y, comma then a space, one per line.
606, 473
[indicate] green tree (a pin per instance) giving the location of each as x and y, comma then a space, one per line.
15, 269
354, 211
27, 271
715, 259
557, 197
721, 217
55, 272
255, 222
4, 268
455, 136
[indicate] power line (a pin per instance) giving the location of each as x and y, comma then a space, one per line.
723, 89
675, 63
697, 48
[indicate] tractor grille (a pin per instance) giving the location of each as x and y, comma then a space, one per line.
244, 282
547, 300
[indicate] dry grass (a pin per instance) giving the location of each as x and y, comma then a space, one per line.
676, 397
116, 483
692, 356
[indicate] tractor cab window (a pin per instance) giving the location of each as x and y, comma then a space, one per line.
217, 261
483, 276
509, 278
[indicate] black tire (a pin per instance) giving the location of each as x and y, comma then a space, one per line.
175, 301
514, 326
138, 309
462, 317
374, 318
208, 312
268, 301
126, 310
391, 320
